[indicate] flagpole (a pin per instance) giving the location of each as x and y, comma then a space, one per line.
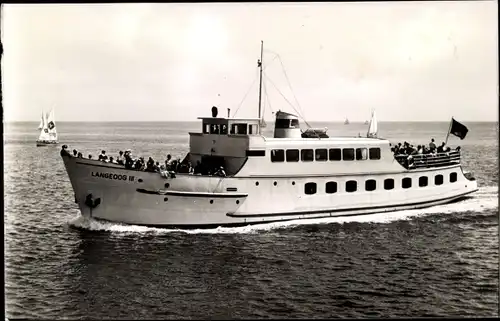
446, 141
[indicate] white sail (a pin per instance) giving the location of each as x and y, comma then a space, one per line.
373, 128
48, 132
51, 125
41, 121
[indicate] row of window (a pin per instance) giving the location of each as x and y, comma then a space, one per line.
371, 184
323, 154
239, 129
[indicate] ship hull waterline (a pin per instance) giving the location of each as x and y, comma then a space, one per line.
109, 192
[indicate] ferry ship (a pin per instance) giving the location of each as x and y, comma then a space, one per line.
296, 174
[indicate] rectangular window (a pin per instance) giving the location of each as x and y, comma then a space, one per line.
422, 181
250, 129
321, 155
233, 129
388, 183
255, 153
292, 155
214, 129
375, 153
277, 155
406, 182
241, 129
223, 129
307, 155
370, 185
331, 187
351, 186
438, 180
335, 154
206, 128
453, 177
310, 188
361, 154
348, 154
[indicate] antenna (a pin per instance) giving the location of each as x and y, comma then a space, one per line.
259, 64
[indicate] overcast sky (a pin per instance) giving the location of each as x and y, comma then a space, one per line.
163, 62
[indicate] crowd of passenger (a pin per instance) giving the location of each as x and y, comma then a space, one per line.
170, 165
407, 149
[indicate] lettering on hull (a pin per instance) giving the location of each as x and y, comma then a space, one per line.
118, 177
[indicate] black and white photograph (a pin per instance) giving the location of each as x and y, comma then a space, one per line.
250, 160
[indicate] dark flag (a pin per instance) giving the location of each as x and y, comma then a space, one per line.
458, 129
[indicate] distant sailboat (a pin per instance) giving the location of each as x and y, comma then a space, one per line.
48, 131
373, 128
346, 122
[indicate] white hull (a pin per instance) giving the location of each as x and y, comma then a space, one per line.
193, 201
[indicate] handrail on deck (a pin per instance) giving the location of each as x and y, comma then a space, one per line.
428, 160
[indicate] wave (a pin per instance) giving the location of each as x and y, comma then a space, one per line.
484, 199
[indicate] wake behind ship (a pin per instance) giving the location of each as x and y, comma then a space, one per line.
296, 174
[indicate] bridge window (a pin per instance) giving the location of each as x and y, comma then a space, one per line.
406, 182
214, 129
375, 153
223, 129
277, 155
294, 123
453, 177
307, 155
348, 154
310, 188
239, 129
321, 155
351, 186
422, 181
361, 153
331, 187
206, 128
250, 129
370, 185
388, 183
292, 155
282, 123
438, 179
335, 154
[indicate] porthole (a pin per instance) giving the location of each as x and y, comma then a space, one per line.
293, 183
140, 180
167, 185
237, 201
211, 201
275, 183
165, 199
256, 183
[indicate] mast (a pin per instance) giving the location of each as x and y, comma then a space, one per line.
259, 64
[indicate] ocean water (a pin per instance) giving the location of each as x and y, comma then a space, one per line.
441, 261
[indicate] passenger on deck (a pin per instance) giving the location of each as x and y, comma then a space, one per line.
75, 152
111, 160
90, 156
157, 167
458, 148
80, 155
441, 148
103, 156
150, 165
168, 162
432, 145
119, 159
64, 152
129, 163
220, 172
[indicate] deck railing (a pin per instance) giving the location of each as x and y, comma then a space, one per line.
428, 160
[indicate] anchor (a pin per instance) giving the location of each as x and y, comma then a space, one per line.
91, 202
